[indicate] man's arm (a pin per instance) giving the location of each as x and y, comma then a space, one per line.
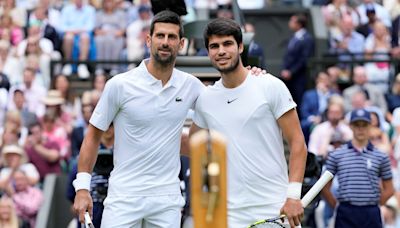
289, 123
387, 191
87, 159
327, 194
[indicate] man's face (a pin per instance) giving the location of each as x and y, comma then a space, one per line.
224, 53
293, 25
165, 43
335, 114
360, 130
21, 181
19, 99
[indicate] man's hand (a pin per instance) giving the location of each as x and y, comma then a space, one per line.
82, 203
294, 211
256, 70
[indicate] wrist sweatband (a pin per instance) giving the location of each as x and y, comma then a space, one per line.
294, 190
82, 181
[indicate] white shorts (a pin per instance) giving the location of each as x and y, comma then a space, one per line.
143, 211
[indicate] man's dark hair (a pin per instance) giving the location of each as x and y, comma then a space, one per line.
178, 6
223, 27
301, 19
166, 16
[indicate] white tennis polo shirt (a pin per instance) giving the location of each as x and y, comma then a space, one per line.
247, 116
148, 120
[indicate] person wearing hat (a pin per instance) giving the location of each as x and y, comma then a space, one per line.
13, 157
364, 175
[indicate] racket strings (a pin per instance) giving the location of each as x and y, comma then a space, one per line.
268, 224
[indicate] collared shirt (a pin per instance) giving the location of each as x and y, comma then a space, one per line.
73, 18
359, 173
148, 119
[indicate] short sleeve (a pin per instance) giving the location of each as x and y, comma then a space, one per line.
386, 171
331, 163
108, 105
280, 98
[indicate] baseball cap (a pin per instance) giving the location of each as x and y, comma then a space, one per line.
144, 8
360, 114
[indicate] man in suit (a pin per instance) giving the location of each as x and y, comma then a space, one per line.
299, 49
373, 95
315, 103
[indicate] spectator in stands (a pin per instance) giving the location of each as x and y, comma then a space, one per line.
225, 11
3, 105
348, 43
377, 47
255, 50
9, 64
14, 120
70, 111
381, 13
54, 129
336, 77
375, 96
321, 135
48, 14
64, 114
136, 33
393, 97
9, 31
314, 104
27, 198
34, 93
364, 175
43, 51
333, 14
367, 28
14, 158
77, 23
393, 7
39, 17
8, 214
43, 152
27, 117
395, 38
299, 49
109, 35
99, 82
380, 139
17, 14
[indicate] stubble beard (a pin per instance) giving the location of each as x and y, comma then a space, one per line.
230, 68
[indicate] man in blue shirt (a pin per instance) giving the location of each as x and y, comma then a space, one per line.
364, 176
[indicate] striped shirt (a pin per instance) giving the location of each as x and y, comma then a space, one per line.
359, 173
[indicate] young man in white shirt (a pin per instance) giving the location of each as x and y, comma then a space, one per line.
147, 106
253, 113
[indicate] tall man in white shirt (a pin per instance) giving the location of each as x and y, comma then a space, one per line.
252, 112
148, 106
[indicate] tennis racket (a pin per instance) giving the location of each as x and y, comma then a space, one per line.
305, 201
88, 221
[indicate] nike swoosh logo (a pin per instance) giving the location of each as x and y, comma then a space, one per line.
178, 99
230, 101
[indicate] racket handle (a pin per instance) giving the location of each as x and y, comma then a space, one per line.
316, 188
88, 221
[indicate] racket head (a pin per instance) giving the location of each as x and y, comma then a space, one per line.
269, 223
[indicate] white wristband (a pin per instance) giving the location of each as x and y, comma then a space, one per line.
82, 181
294, 190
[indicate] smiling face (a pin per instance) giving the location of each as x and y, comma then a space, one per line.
224, 52
165, 43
